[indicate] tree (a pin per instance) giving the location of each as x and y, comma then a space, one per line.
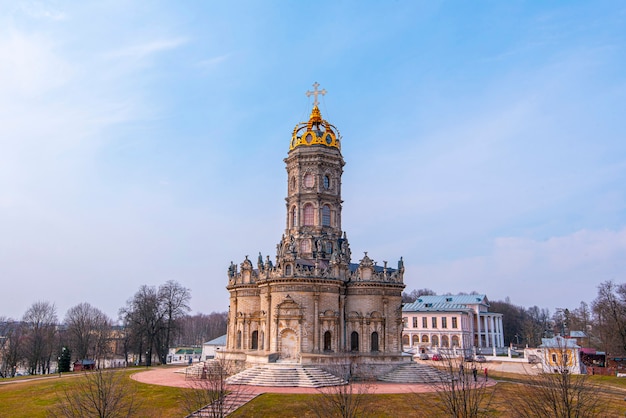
558, 393
609, 309
459, 392
102, 394
65, 359
40, 322
416, 293
151, 318
88, 330
200, 328
174, 302
212, 396
344, 401
11, 339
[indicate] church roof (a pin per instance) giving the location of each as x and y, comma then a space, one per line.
558, 342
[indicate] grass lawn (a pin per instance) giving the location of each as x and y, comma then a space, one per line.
32, 398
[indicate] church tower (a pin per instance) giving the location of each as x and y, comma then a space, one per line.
313, 236
313, 305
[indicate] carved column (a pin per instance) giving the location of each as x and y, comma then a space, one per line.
316, 320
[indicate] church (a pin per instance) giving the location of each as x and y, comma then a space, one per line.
311, 305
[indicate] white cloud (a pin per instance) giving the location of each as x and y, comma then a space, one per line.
559, 271
145, 49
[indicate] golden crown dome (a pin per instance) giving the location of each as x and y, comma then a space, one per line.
316, 131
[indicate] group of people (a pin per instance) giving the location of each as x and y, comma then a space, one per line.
474, 372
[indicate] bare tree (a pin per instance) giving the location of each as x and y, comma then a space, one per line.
558, 393
10, 346
40, 322
151, 318
88, 330
174, 302
345, 401
212, 396
459, 391
102, 394
609, 310
200, 328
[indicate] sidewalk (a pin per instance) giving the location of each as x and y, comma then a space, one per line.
173, 377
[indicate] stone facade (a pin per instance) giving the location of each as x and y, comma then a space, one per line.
312, 305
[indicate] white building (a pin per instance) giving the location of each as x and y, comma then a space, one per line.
451, 321
211, 347
558, 354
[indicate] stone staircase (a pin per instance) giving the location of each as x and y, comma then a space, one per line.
286, 375
232, 401
415, 373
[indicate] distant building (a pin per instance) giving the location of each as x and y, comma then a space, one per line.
558, 353
451, 321
184, 355
211, 347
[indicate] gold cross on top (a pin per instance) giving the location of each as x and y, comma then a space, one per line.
315, 92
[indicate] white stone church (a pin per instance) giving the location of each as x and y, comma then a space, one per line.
310, 304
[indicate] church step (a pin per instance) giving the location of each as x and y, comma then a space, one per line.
290, 376
415, 373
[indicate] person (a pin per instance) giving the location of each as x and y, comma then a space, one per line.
475, 373
486, 374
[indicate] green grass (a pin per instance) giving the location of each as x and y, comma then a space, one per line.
33, 398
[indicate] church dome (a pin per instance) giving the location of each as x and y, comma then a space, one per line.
316, 131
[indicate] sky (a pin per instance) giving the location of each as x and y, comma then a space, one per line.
142, 142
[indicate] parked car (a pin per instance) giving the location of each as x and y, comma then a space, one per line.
424, 356
437, 357
480, 358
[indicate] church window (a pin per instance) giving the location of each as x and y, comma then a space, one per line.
292, 184
354, 341
325, 215
424, 322
305, 246
454, 322
374, 342
293, 216
238, 339
434, 320
435, 341
326, 182
444, 322
329, 247
288, 270
327, 341
415, 322
254, 344
309, 214
308, 180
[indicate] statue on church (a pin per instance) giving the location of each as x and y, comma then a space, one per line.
232, 270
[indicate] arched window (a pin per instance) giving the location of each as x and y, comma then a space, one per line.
325, 215
354, 341
293, 217
288, 270
374, 341
254, 343
435, 341
445, 341
309, 214
405, 340
326, 182
238, 339
455, 341
424, 338
305, 246
327, 341
292, 184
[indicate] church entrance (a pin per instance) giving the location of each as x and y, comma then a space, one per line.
288, 346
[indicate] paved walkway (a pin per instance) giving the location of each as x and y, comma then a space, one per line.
173, 377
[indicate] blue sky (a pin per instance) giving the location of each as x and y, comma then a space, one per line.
143, 141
